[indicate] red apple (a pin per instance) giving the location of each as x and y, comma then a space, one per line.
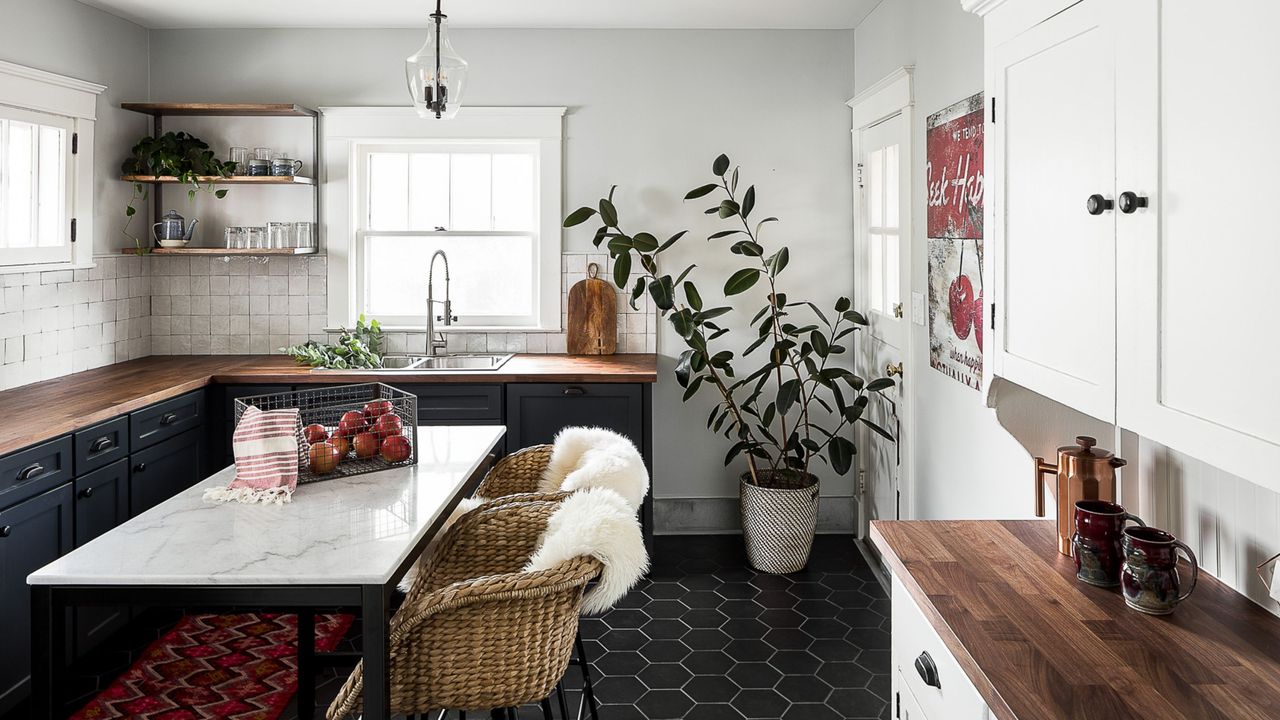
366, 445
388, 425
323, 457
376, 409
396, 448
351, 424
960, 299
343, 445
315, 433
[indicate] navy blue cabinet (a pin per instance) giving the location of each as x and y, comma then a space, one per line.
165, 469
101, 503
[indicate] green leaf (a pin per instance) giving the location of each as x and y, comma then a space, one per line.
820, 344
684, 367
841, 451
733, 183
619, 245
741, 281
608, 213
748, 202
622, 269
220, 194
788, 393
880, 384
662, 290
644, 242
685, 273
779, 261
693, 388
843, 304
636, 292
700, 191
747, 247
672, 240
722, 234
727, 209
130, 211
692, 296
720, 166
878, 430
854, 317
601, 233
579, 216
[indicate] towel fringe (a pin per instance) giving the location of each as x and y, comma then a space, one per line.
261, 496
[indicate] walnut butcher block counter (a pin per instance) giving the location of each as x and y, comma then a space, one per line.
44, 410
1036, 644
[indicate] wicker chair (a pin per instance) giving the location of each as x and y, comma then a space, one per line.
517, 473
475, 630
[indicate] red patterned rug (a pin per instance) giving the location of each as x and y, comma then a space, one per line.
233, 667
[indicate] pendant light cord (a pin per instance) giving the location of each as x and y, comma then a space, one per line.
440, 100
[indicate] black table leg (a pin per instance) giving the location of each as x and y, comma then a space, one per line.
306, 663
48, 650
375, 630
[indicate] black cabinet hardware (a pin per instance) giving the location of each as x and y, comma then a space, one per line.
140, 467
4, 531
1097, 204
101, 444
572, 390
168, 418
31, 471
928, 670
86, 493
1131, 201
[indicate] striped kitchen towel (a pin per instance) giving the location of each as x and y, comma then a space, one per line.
266, 445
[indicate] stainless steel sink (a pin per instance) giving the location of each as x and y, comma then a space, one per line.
438, 363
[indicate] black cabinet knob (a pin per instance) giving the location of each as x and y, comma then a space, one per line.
1131, 201
140, 467
86, 493
1097, 204
4, 531
928, 670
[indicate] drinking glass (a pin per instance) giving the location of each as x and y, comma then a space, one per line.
256, 237
279, 234
240, 156
262, 153
304, 235
232, 237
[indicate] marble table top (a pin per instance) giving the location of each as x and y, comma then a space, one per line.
345, 531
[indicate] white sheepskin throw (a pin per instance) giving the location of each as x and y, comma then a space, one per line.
588, 457
597, 522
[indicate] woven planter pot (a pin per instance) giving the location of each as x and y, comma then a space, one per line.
779, 517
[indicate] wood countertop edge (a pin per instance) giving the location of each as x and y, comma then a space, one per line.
995, 702
240, 369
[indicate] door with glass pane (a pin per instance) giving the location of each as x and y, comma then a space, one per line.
882, 279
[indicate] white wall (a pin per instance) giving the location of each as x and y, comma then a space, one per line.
649, 111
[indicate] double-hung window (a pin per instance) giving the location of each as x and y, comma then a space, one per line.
46, 135
483, 187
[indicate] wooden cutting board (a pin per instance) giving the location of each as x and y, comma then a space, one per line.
593, 316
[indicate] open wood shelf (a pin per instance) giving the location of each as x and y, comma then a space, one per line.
233, 180
221, 109
258, 252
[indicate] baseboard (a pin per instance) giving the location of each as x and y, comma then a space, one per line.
720, 516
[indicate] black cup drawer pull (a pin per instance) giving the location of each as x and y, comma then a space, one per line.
168, 418
102, 444
30, 471
574, 391
928, 670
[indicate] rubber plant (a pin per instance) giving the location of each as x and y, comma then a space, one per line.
179, 155
767, 410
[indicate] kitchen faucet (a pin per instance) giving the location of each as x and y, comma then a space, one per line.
435, 340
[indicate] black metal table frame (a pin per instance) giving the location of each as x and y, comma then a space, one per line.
49, 602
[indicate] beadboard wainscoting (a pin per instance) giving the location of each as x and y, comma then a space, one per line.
57, 322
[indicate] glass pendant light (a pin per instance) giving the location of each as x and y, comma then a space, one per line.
436, 73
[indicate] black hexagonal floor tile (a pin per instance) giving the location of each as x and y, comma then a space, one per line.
782, 618
705, 639
810, 711
664, 705
625, 689
817, 608
708, 662
844, 675
704, 618
749, 650
741, 608
776, 599
869, 638
701, 582
671, 609
809, 590
860, 618
803, 688
856, 703
834, 650
711, 689
771, 582
664, 590
629, 619
619, 662
736, 591
842, 581
702, 599
622, 640
664, 676
665, 629
755, 675
761, 703
788, 639
825, 628
745, 628
713, 711
796, 662
664, 651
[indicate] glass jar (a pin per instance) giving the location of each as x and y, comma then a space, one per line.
240, 156
279, 235
262, 153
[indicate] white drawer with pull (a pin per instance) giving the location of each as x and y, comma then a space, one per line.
924, 668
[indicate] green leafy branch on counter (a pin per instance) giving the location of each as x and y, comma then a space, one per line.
356, 349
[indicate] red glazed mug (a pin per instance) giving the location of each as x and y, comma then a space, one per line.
1149, 579
1096, 544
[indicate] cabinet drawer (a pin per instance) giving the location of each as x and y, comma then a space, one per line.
537, 411
102, 444
457, 404
951, 695
166, 419
33, 470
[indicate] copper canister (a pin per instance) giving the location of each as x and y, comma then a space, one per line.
1084, 473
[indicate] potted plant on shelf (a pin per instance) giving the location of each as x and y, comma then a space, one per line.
179, 155
793, 405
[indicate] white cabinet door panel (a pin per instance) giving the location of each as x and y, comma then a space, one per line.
1055, 262
1199, 267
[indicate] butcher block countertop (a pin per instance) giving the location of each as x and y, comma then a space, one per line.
1039, 645
44, 410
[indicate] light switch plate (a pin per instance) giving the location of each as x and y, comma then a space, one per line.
917, 308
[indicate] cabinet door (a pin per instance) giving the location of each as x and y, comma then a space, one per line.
536, 412
164, 470
1197, 109
33, 534
1054, 261
102, 503
449, 404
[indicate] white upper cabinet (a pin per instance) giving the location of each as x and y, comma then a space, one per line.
1053, 239
1198, 97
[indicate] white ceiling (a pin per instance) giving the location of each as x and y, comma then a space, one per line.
728, 14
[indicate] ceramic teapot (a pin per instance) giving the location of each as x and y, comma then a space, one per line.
172, 230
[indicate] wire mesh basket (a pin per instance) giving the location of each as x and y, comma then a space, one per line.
353, 420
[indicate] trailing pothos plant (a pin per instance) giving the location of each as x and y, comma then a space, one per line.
178, 155
766, 410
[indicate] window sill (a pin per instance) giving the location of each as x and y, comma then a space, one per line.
45, 267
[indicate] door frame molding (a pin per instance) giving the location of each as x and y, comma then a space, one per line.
891, 96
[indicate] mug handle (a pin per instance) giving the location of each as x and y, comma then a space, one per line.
1195, 569
297, 166
1134, 518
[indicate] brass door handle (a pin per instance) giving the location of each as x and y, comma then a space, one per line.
890, 369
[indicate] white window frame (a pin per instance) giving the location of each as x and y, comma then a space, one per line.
74, 102
348, 133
